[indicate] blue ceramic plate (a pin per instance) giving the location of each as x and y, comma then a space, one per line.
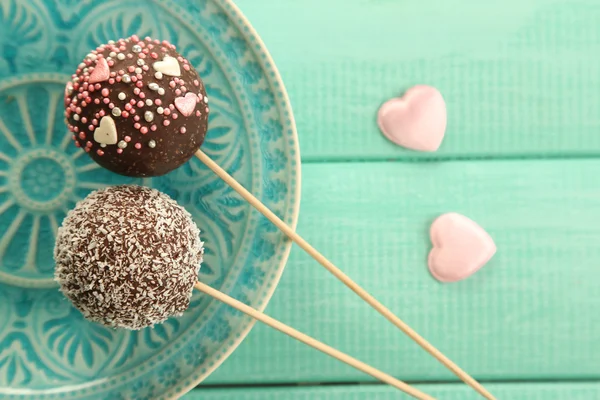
47, 351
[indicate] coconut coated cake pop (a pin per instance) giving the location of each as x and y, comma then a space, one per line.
128, 256
137, 107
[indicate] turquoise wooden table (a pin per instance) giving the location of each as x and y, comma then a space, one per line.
522, 83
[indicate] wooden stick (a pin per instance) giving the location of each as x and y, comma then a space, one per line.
289, 232
330, 351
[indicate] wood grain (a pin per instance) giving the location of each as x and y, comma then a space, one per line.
513, 391
530, 314
521, 78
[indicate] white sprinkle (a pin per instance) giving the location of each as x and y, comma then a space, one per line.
149, 116
158, 75
122, 144
136, 48
121, 56
116, 112
126, 78
112, 54
138, 70
153, 86
76, 117
140, 62
122, 96
148, 102
159, 110
152, 144
161, 91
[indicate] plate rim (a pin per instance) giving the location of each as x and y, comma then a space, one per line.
274, 80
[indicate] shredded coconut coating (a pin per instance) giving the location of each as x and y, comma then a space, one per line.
128, 257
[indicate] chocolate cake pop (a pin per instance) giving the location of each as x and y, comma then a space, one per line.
137, 107
128, 256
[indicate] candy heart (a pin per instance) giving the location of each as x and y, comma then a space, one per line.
186, 104
460, 247
416, 121
168, 66
106, 133
101, 72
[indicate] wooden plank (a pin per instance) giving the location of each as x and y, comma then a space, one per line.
513, 391
521, 78
531, 314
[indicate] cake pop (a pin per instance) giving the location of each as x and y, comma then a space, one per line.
128, 257
137, 107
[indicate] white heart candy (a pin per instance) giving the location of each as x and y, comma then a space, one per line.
106, 133
168, 66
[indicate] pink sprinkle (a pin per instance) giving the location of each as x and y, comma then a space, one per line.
197, 113
137, 125
128, 106
76, 129
97, 115
100, 152
121, 72
124, 114
79, 95
166, 122
154, 55
122, 48
180, 58
142, 44
156, 41
119, 151
113, 74
153, 128
102, 113
91, 127
132, 111
84, 120
111, 63
135, 38
171, 106
140, 104
145, 67
182, 130
131, 68
206, 110
172, 84
97, 86
138, 146
127, 139
157, 102
106, 100
88, 144
129, 55
140, 84
196, 82
87, 149
175, 116
136, 91
143, 53
132, 102
82, 136
166, 111
165, 43
144, 130
111, 81
78, 110
183, 89
150, 45
77, 143
105, 92
111, 105
91, 89
88, 100
178, 92
142, 95
136, 118
139, 76
97, 100
95, 121
164, 49
148, 39
118, 78
185, 66
199, 98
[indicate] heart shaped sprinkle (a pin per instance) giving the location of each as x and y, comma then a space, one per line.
106, 133
101, 71
168, 66
416, 121
460, 248
186, 104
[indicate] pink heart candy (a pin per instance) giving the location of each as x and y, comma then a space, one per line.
460, 248
187, 104
416, 121
101, 71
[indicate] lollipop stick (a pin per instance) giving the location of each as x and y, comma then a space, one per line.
341, 276
330, 351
